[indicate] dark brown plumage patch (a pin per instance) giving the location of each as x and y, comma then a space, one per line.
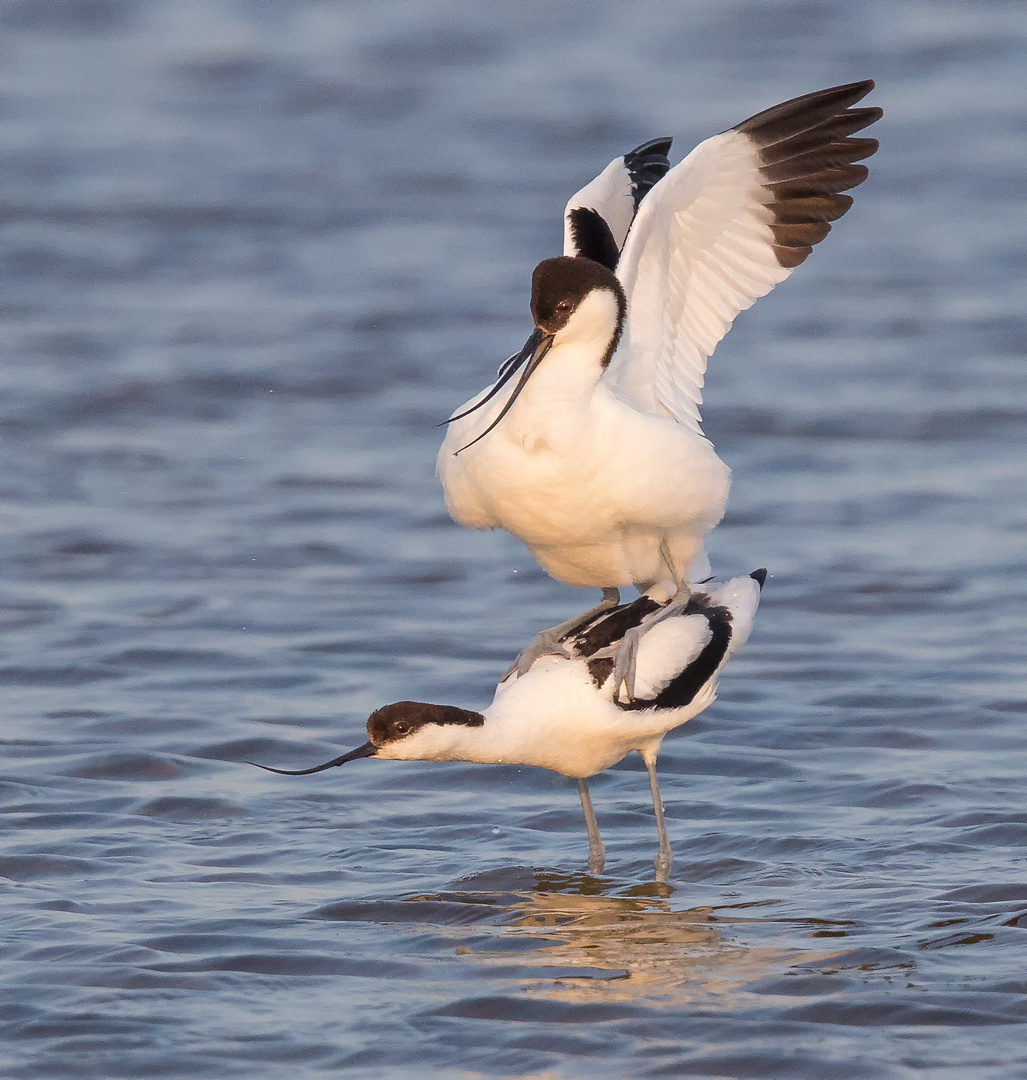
807, 159
610, 626
559, 285
600, 670
592, 237
399, 720
590, 232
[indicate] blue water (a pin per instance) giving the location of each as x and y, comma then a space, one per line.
250, 255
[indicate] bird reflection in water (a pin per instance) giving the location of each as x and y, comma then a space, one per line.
588, 946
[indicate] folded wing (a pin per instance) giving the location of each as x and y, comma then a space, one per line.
679, 657
721, 229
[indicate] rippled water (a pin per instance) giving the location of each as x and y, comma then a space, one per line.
250, 254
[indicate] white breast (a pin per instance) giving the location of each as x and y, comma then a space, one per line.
589, 483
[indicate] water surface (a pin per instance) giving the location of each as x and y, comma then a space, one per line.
251, 254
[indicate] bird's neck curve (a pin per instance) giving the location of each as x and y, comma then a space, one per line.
441, 742
579, 355
594, 328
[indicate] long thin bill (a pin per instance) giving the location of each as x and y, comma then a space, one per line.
545, 343
506, 373
367, 750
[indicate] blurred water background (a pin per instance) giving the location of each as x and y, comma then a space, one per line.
250, 254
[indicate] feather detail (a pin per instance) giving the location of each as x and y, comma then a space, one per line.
721, 229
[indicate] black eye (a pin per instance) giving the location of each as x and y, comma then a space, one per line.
563, 307
402, 727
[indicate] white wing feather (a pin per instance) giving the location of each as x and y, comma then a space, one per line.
666, 650
615, 195
721, 229
700, 251
610, 195
670, 646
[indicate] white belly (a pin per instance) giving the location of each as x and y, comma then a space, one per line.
593, 490
555, 718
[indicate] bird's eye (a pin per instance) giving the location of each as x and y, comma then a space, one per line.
402, 727
563, 307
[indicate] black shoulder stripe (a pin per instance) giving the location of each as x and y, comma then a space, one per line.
592, 237
611, 626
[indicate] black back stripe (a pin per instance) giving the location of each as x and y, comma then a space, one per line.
600, 670
592, 237
610, 626
681, 690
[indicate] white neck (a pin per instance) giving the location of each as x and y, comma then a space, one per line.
593, 323
552, 718
568, 374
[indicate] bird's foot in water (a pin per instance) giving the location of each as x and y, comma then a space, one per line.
551, 642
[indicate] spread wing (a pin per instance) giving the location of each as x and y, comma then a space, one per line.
721, 229
597, 218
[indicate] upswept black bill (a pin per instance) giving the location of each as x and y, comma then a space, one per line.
503, 376
535, 348
367, 750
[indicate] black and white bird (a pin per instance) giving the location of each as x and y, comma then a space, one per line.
563, 713
597, 218
594, 455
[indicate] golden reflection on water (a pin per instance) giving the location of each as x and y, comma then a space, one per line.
595, 947
633, 949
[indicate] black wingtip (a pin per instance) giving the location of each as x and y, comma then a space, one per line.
654, 148
759, 576
647, 165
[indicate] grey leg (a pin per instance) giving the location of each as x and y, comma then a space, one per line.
664, 857
549, 642
596, 851
668, 560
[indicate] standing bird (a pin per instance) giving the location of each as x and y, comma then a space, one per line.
595, 457
563, 713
